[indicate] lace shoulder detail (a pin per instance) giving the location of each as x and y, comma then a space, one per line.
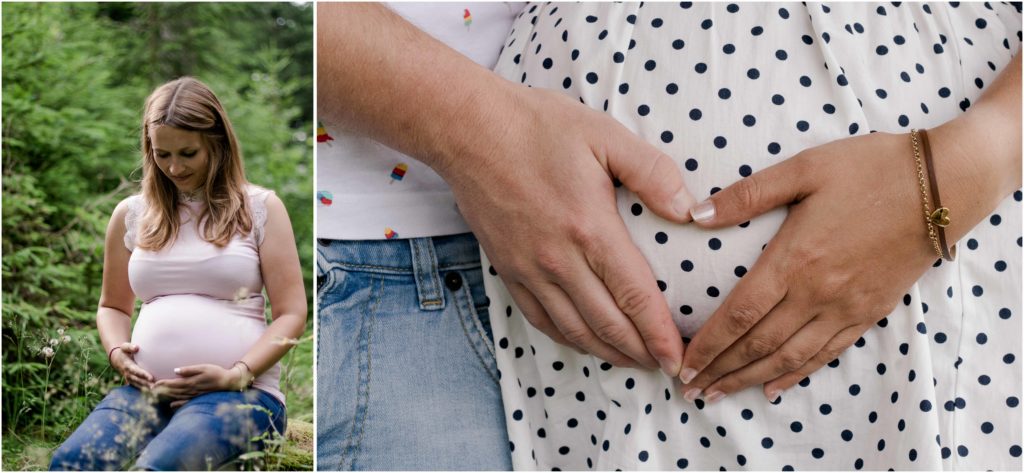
136, 208
258, 209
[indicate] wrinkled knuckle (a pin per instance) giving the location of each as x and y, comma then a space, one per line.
633, 300
592, 242
746, 193
613, 334
578, 336
580, 230
759, 347
552, 262
790, 361
743, 316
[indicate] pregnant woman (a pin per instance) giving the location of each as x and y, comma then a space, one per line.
811, 106
197, 246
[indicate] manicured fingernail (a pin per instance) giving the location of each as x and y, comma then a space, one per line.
773, 395
682, 202
669, 367
687, 375
177, 370
713, 396
692, 394
704, 211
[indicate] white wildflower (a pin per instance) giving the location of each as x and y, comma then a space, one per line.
241, 294
285, 341
54, 342
47, 352
66, 338
60, 331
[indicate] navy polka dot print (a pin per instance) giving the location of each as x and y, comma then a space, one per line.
728, 90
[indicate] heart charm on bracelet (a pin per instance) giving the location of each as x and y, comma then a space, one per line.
940, 217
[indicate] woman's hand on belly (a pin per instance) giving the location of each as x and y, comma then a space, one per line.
854, 242
198, 379
123, 360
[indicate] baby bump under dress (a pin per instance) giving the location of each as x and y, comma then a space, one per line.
727, 90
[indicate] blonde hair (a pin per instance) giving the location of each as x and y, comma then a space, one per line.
188, 104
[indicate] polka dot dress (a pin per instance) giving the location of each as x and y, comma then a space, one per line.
727, 90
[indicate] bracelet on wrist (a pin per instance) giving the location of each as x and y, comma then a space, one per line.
246, 372
110, 353
935, 221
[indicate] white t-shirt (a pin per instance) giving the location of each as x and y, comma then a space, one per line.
367, 191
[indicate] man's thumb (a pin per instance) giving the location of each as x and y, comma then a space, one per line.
652, 175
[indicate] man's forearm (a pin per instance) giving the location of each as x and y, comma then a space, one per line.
380, 76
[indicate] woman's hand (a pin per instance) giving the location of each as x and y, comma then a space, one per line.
854, 241
199, 379
123, 360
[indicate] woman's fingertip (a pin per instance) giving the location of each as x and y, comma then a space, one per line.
703, 212
687, 375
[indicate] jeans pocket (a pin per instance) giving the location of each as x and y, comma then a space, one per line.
471, 302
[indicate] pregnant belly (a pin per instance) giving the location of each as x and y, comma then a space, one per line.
696, 268
182, 330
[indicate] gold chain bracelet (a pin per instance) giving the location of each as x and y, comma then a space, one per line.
936, 221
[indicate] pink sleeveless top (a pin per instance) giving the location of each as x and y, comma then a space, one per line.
201, 303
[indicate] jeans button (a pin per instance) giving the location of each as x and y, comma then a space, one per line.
453, 281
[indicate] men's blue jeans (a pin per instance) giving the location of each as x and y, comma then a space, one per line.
406, 375
205, 433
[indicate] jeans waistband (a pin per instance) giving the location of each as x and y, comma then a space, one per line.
422, 258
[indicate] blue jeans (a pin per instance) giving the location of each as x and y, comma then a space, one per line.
205, 433
406, 375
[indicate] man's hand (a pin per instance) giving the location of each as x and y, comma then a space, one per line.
531, 170
542, 203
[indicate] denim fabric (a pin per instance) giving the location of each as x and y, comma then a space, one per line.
406, 376
205, 433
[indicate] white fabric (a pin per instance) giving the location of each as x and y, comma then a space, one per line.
936, 385
357, 197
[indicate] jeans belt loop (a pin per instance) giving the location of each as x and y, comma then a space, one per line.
425, 269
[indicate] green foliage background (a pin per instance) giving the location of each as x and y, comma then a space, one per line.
74, 80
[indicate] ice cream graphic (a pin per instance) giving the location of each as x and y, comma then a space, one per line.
389, 233
467, 18
398, 173
325, 197
322, 136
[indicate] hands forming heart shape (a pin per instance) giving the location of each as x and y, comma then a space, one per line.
823, 280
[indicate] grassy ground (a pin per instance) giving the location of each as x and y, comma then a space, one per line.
28, 452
